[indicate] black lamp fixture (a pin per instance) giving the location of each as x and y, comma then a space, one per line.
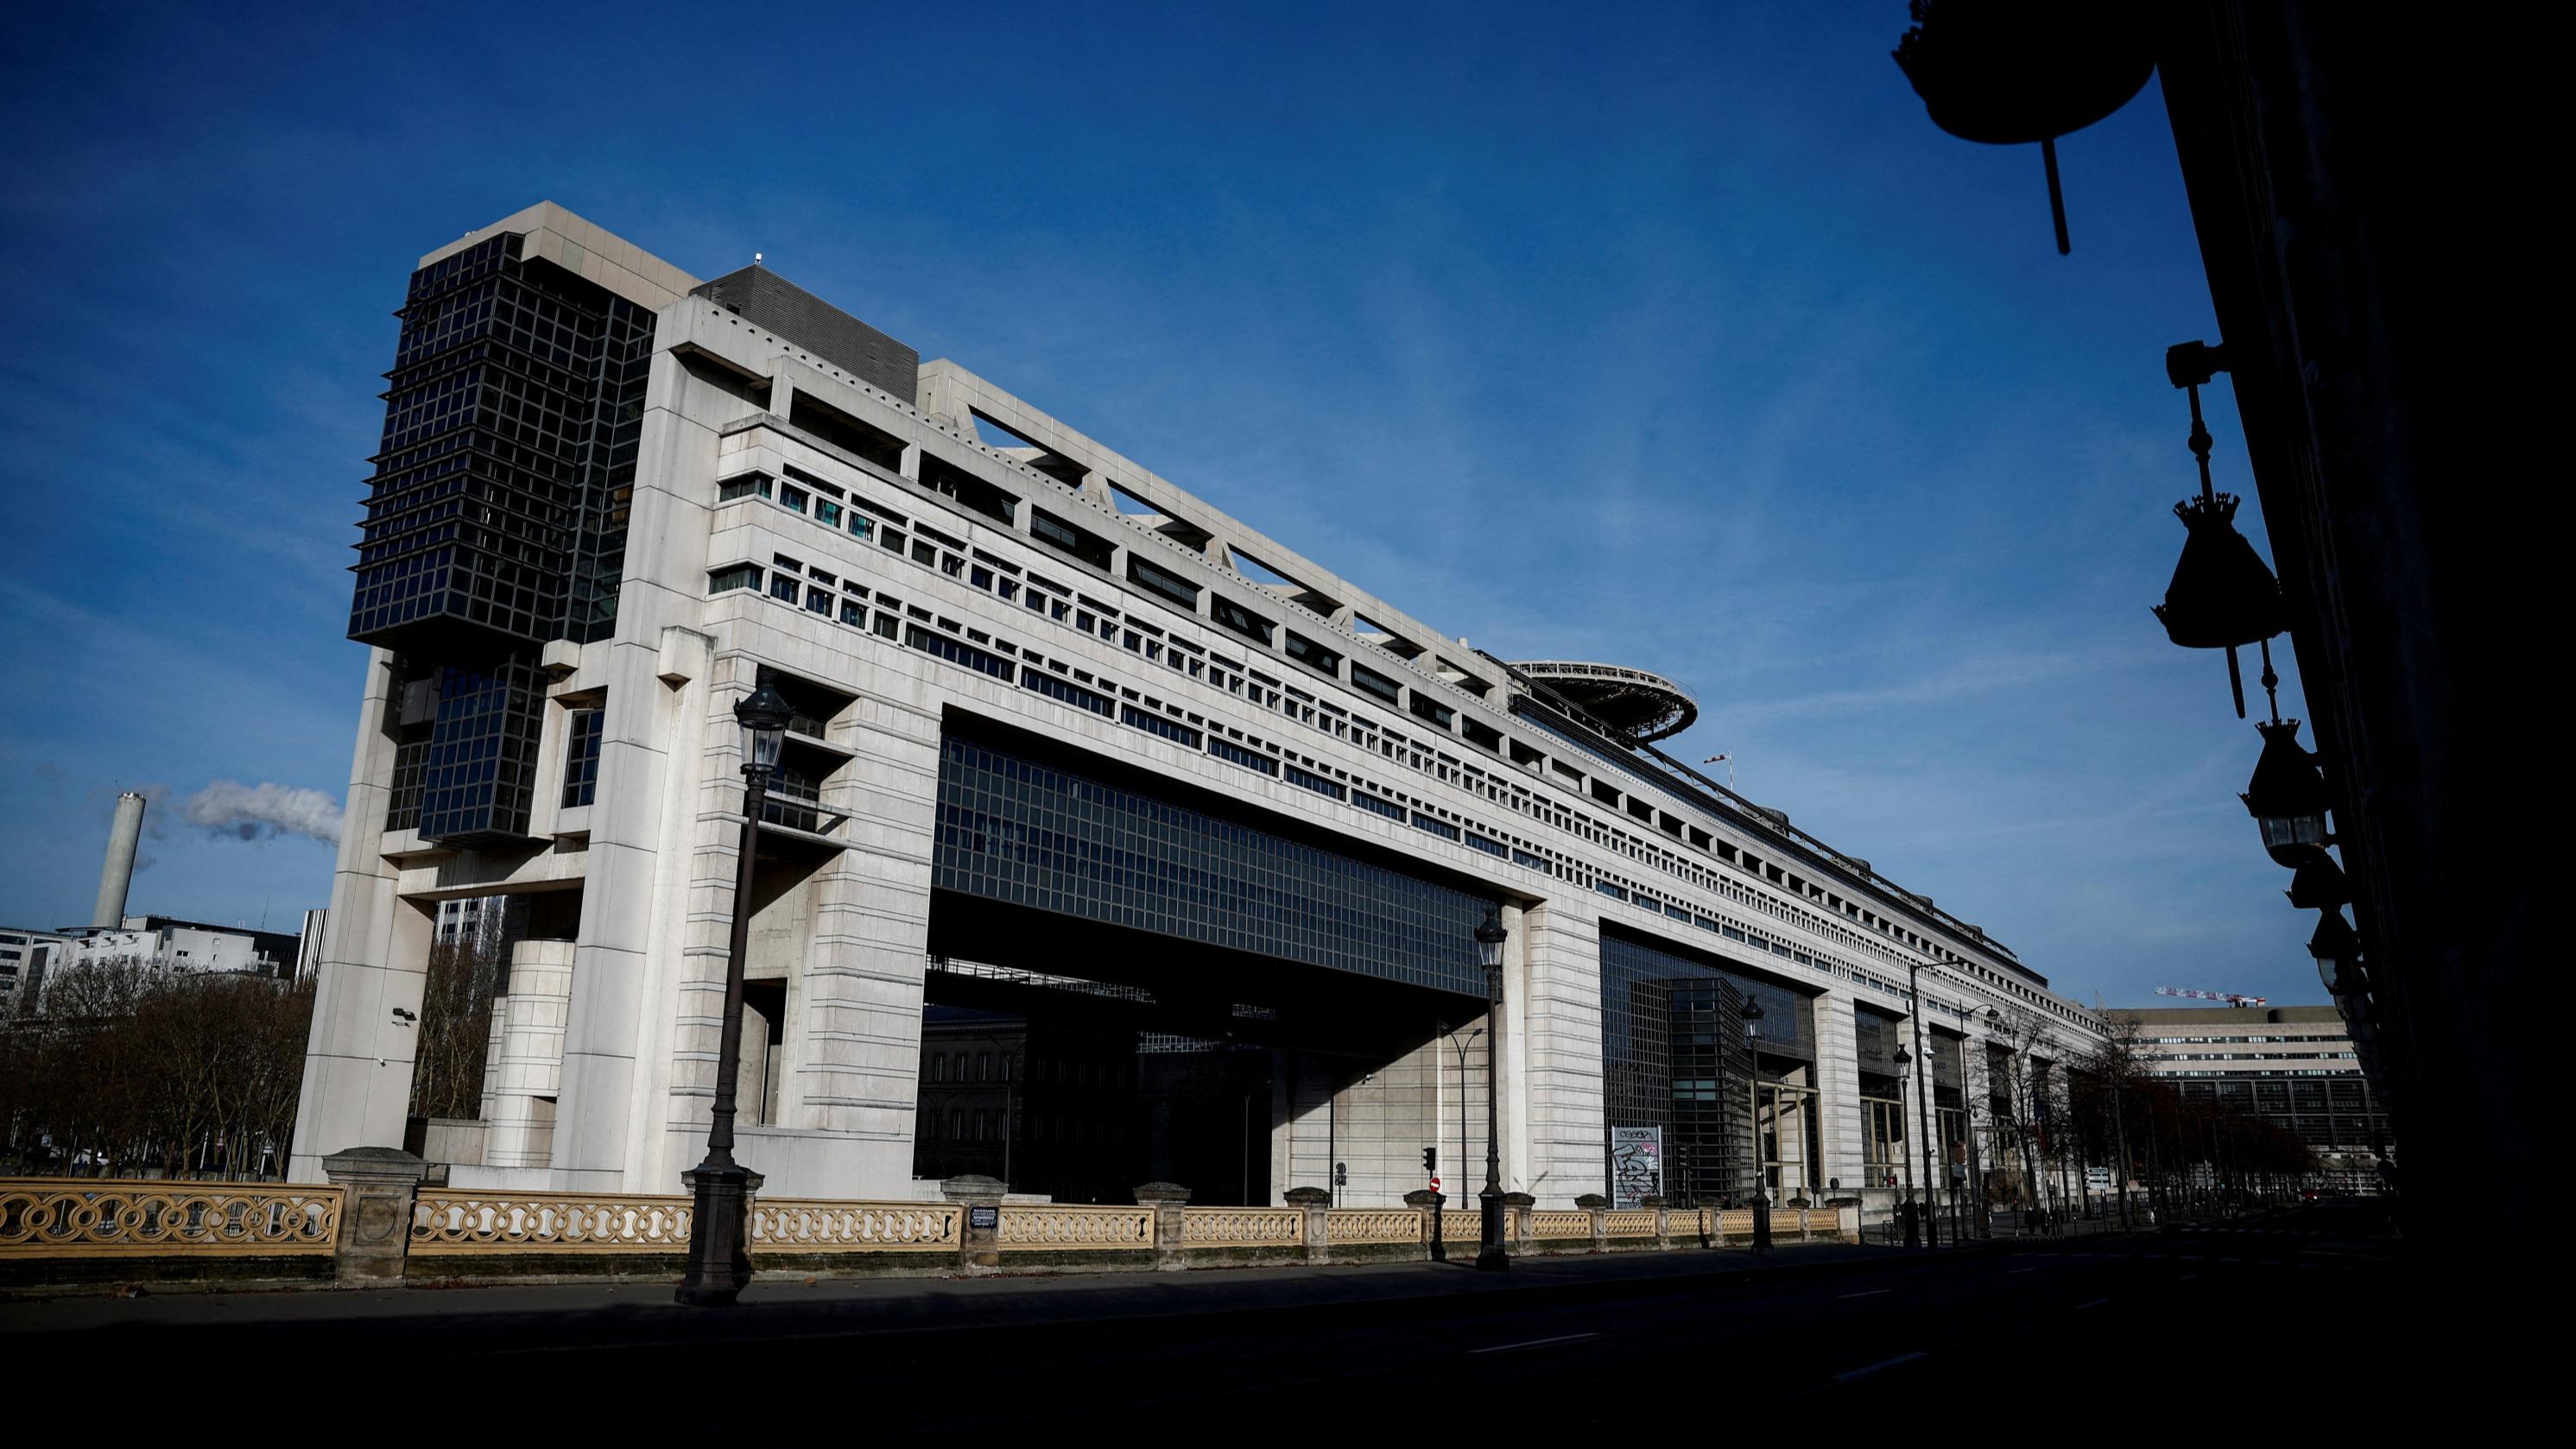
1753, 1099
1491, 1255
2338, 951
2319, 884
2222, 595
1490, 937
763, 715
2287, 798
2010, 72
719, 1261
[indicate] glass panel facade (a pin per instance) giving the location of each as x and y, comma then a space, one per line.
581, 757
480, 779
1046, 836
1673, 1055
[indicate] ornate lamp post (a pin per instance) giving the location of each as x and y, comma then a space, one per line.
719, 1256
1913, 1229
1753, 1094
1489, 954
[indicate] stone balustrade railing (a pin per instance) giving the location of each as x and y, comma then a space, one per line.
377, 1216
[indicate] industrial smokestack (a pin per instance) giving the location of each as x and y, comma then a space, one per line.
118, 877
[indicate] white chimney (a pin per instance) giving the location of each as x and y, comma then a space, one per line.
118, 877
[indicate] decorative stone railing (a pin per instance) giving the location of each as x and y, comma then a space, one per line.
561, 1222
101, 1217
1231, 1227
376, 1216
1042, 1227
1373, 1225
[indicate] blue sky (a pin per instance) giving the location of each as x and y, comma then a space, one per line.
1677, 338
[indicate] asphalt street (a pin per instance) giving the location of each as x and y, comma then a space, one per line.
2236, 1315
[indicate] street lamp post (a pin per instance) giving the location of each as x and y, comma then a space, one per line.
1753, 1094
1913, 1230
1923, 1099
719, 1254
1490, 936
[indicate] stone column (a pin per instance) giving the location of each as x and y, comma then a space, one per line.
979, 1226
1434, 1242
1663, 1221
1315, 1201
1171, 1204
1599, 1207
382, 1185
1516, 1219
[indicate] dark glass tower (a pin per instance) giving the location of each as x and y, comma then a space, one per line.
496, 519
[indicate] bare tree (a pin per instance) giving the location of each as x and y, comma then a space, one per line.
126, 1067
463, 979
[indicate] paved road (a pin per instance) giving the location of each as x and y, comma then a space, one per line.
1831, 1338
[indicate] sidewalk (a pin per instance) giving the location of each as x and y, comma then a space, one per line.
894, 1305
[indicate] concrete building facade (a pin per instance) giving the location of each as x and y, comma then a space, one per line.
1072, 745
2293, 1066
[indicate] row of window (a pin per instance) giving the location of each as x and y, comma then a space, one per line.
994, 575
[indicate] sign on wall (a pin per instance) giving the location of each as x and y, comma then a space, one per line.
1636, 1165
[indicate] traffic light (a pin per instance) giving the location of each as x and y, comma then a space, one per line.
1430, 1159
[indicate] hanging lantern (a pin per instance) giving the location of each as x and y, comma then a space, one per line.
2319, 884
2222, 595
2338, 953
2010, 72
2287, 796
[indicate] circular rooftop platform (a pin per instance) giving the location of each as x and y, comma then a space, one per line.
1641, 705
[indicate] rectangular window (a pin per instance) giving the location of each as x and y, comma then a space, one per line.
1070, 693
1317, 783
1240, 619
1164, 582
782, 587
793, 497
1378, 684
1490, 847
1435, 826
1313, 655
740, 576
750, 485
1372, 803
1485, 736
581, 757
1425, 707
818, 601
854, 613
956, 653
827, 513
1235, 754
1155, 724
1063, 537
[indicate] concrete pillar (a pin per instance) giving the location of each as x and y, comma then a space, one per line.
1599, 1207
1171, 1204
979, 1229
1838, 1091
1316, 1201
382, 1185
1516, 1219
375, 950
117, 874
1553, 1127
528, 1073
1435, 1244
1663, 1221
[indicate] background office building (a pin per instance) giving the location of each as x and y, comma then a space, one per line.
2292, 1066
1183, 831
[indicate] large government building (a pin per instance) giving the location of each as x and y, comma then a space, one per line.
2292, 1066
1113, 840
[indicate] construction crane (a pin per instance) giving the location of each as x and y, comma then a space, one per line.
2230, 997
